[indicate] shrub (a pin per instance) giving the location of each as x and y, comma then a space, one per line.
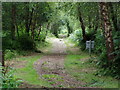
26, 42
9, 54
9, 80
110, 68
99, 43
23, 42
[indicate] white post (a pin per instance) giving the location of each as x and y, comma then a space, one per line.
90, 48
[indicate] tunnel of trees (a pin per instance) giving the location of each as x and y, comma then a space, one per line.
24, 24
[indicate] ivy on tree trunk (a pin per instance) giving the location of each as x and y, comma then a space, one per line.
107, 30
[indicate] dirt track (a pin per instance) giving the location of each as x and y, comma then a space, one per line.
54, 64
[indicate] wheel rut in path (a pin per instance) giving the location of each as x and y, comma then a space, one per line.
53, 64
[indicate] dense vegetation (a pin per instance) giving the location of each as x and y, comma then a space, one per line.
27, 24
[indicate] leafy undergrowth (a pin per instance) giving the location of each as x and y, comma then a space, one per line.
41, 47
44, 46
28, 74
79, 67
72, 47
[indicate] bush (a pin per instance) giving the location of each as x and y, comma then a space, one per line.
9, 80
110, 68
26, 42
77, 37
23, 42
9, 54
99, 43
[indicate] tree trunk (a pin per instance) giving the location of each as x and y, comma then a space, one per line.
17, 30
82, 24
48, 25
33, 28
31, 17
113, 16
89, 20
68, 27
107, 30
39, 30
27, 19
13, 18
3, 63
97, 23
32, 22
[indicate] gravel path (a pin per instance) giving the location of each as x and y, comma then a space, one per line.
53, 64
59, 46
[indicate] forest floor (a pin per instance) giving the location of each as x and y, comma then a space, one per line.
62, 65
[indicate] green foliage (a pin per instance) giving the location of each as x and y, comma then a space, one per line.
9, 80
78, 66
109, 68
42, 36
58, 16
28, 73
99, 42
76, 35
7, 42
23, 42
26, 42
100, 49
10, 54
116, 63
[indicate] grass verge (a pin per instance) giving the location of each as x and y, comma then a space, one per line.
72, 47
28, 73
79, 67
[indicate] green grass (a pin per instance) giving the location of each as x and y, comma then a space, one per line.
29, 74
52, 78
84, 71
67, 41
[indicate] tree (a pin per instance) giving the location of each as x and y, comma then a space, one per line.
113, 16
82, 24
13, 19
108, 30
27, 18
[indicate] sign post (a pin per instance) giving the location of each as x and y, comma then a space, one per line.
90, 46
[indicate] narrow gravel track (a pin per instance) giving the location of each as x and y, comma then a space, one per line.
58, 47
54, 64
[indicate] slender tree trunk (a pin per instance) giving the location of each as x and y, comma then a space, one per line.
39, 31
32, 22
3, 60
113, 16
27, 19
48, 25
97, 23
108, 30
31, 17
82, 24
89, 20
33, 28
17, 30
68, 27
13, 18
